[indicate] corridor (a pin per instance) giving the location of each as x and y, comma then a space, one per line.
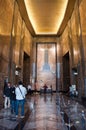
43, 43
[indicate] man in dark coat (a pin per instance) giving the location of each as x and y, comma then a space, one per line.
13, 99
7, 95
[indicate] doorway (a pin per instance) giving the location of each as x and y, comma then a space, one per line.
26, 69
66, 72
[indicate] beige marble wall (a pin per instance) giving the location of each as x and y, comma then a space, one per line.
17, 30
15, 39
6, 15
73, 40
5, 28
27, 42
74, 28
82, 10
64, 41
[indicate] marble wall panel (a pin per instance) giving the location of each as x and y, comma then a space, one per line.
82, 10
6, 13
12, 33
39, 39
46, 65
27, 42
6, 16
17, 27
74, 34
77, 46
64, 41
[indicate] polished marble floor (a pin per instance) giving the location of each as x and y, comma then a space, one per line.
75, 112
45, 115
46, 112
55, 112
8, 121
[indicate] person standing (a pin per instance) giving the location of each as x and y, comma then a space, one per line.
13, 99
45, 88
35, 87
20, 92
51, 89
7, 95
29, 89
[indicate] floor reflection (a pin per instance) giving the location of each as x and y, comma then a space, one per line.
44, 115
47, 112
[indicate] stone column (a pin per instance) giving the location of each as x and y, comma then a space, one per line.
81, 64
10, 64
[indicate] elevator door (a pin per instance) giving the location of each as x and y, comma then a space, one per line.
26, 69
66, 72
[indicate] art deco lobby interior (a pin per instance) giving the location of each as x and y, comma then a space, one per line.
44, 42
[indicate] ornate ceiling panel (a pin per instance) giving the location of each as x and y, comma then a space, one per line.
46, 17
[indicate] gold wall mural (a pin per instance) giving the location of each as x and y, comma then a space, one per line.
46, 65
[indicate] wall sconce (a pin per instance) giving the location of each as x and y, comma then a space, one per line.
75, 73
16, 72
18, 69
